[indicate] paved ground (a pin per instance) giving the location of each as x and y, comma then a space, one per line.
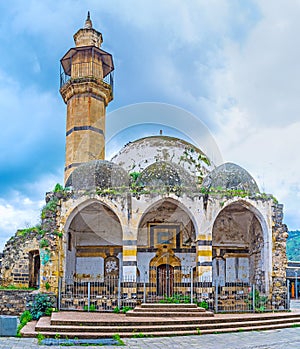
295, 304
275, 339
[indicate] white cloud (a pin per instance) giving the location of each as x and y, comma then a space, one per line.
263, 74
257, 104
270, 155
16, 214
19, 210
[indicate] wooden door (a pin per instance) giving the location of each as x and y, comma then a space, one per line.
165, 280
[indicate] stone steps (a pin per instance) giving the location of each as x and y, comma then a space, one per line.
169, 306
109, 333
45, 326
97, 325
151, 310
150, 314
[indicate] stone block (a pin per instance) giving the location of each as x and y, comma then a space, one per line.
8, 325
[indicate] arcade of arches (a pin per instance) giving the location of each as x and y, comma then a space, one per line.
165, 247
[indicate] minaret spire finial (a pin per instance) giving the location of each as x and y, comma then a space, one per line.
88, 23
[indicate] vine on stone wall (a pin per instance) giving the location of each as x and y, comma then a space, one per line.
189, 157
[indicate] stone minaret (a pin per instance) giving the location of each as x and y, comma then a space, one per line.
86, 88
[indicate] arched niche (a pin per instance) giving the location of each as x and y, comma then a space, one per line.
239, 247
166, 215
166, 226
94, 234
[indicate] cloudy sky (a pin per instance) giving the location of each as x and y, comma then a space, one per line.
234, 64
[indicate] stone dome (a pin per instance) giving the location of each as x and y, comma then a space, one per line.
136, 156
98, 174
167, 174
230, 176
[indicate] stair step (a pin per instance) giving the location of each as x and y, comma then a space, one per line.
120, 319
45, 325
169, 314
110, 334
169, 305
170, 310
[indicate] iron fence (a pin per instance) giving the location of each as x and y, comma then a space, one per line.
110, 293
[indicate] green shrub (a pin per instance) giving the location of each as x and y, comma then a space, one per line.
259, 301
116, 310
41, 303
117, 338
126, 309
139, 335
24, 318
50, 206
92, 307
40, 338
49, 311
58, 188
176, 299
134, 175
26, 231
203, 304
58, 233
44, 243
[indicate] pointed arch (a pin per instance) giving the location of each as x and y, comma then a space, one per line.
93, 233
79, 206
163, 212
241, 242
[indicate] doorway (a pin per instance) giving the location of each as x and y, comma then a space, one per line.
165, 280
34, 269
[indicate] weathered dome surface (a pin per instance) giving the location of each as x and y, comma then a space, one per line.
98, 174
230, 176
163, 173
138, 155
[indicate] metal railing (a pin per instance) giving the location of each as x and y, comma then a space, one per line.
109, 293
86, 70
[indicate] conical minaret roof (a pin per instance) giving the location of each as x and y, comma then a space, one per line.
88, 23
88, 36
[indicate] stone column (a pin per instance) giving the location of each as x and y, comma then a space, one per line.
204, 256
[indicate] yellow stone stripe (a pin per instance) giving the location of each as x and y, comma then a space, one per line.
204, 253
129, 253
204, 237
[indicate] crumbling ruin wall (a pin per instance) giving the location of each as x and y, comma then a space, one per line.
42, 241
15, 261
279, 236
51, 244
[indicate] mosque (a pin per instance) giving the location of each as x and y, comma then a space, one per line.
155, 215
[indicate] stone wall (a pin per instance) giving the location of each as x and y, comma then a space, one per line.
15, 262
13, 302
51, 247
280, 234
18, 265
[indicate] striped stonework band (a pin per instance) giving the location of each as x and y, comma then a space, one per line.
84, 128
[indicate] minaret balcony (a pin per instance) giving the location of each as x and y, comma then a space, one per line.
87, 63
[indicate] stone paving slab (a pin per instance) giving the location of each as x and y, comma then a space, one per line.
274, 339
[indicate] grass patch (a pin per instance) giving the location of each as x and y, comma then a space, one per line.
16, 288
295, 325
